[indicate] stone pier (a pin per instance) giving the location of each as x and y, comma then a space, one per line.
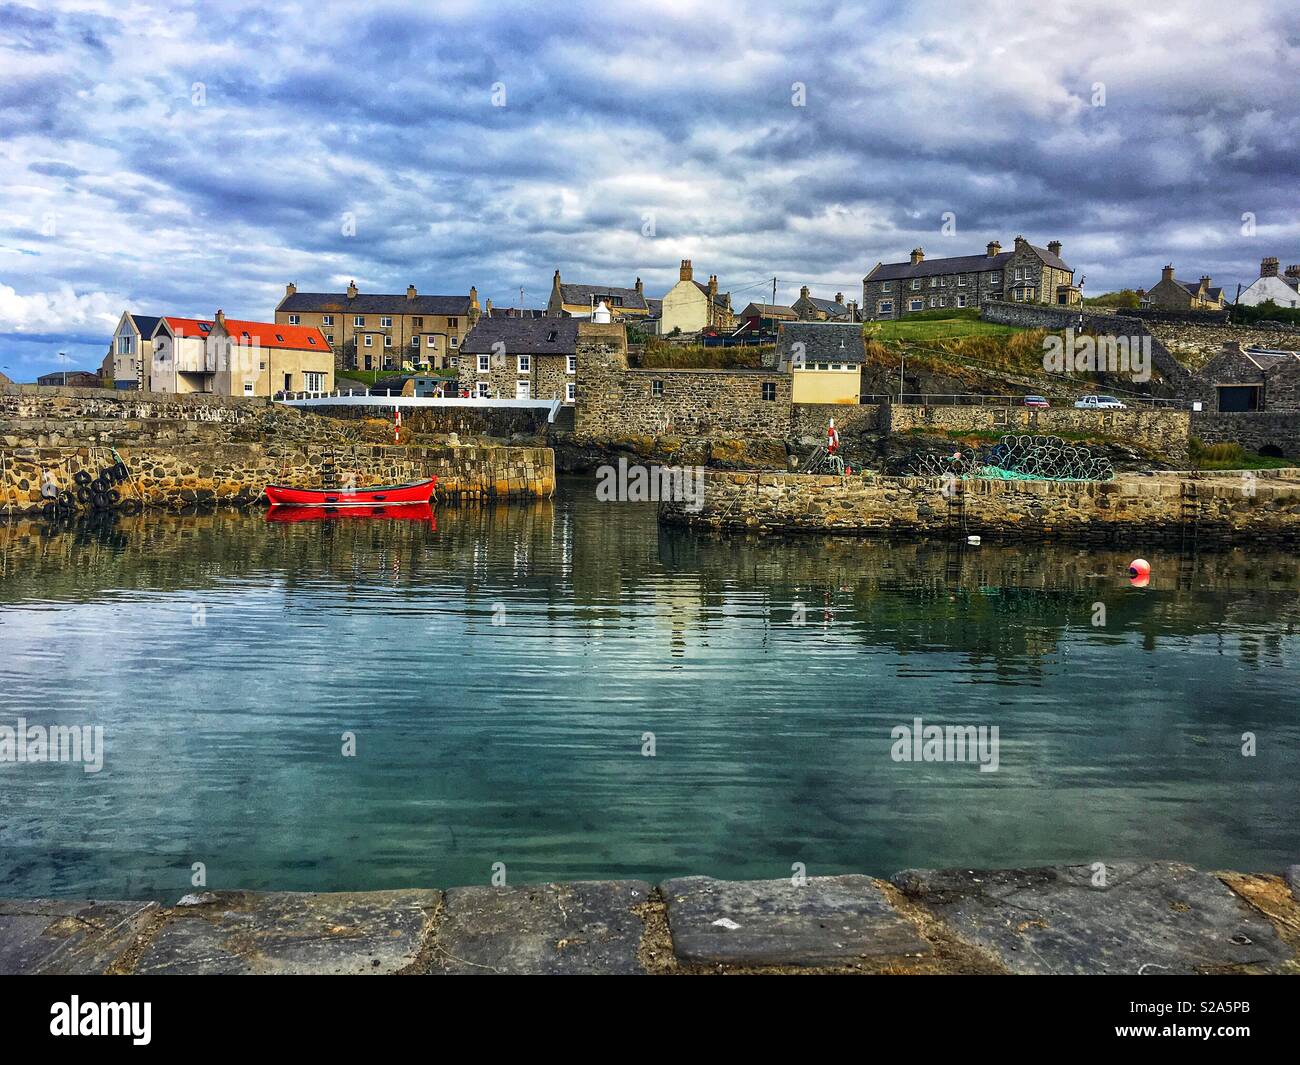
1122, 917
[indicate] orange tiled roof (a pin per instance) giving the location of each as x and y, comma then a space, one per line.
276, 335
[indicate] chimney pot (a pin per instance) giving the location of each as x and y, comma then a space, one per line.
410, 292
685, 272
1167, 274
1055, 248
292, 287
994, 248
803, 292
1268, 267
918, 255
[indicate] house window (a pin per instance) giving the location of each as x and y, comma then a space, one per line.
484, 363
934, 282
329, 338
482, 390
388, 340
573, 364
961, 280
314, 382
570, 392
248, 388
358, 321
525, 363
432, 343
415, 342
885, 307
888, 286
1019, 274
916, 283
769, 391
934, 302
656, 388
327, 319
995, 279
961, 301
916, 305
124, 345
453, 341
385, 323
417, 323
370, 341
452, 323
294, 319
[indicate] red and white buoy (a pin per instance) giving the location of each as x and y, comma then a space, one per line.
397, 425
832, 438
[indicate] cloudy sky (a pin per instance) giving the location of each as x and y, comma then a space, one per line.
176, 158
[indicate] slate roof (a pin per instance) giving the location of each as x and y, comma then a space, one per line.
722, 299
958, 264
768, 310
581, 296
835, 310
523, 336
822, 341
1194, 287
146, 323
373, 303
517, 312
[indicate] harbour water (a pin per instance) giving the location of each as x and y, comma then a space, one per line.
571, 691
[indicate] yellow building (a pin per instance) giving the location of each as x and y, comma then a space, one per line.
690, 307
824, 359
384, 332
233, 357
578, 301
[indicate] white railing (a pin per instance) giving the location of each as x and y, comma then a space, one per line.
362, 398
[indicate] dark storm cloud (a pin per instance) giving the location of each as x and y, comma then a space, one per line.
191, 156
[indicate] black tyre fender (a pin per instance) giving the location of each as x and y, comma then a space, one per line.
120, 472
82, 477
131, 506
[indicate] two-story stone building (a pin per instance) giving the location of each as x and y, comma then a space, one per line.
1174, 295
381, 331
1026, 274
1242, 380
810, 308
572, 300
521, 358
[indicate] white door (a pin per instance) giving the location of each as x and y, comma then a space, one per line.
521, 390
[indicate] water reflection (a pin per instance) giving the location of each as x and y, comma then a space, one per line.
501, 665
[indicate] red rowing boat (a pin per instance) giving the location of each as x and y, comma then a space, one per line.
385, 495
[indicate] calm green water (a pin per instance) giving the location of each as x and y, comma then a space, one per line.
225, 657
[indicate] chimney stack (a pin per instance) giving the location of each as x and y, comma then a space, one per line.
839, 298
640, 288
410, 292
1292, 271
291, 287
1019, 242
473, 300
1054, 247
352, 290
994, 248
918, 254
1268, 267
1167, 274
684, 272
713, 285
803, 293
1205, 281
220, 318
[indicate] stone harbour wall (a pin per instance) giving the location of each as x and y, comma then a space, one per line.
37, 402
237, 473
1261, 507
1269, 432
1145, 917
1164, 432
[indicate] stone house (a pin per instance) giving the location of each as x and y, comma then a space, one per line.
1026, 274
824, 359
233, 357
382, 331
521, 358
811, 309
71, 378
131, 351
1282, 288
1251, 380
690, 307
1174, 295
578, 301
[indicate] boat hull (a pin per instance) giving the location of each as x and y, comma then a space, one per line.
383, 495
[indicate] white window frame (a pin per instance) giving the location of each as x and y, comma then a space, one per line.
248, 388
370, 341
385, 322
484, 363
571, 364
888, 286
961, 280
433, 341
961, 300
294, 319
885, 307
482, 390
358, 321
313, 381
570, 392
916, 305
327, 319
329, 338
523, 364
916, 284
453, 340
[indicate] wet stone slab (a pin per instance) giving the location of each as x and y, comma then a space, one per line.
830, 920
580, 927
1148, 918
239, 932
72, 938
1293, 880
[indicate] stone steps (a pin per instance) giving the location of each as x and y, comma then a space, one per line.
1105, 918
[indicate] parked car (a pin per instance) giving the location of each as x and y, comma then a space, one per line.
1099, 403
1036, 401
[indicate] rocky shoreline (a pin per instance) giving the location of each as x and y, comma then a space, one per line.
1125, 917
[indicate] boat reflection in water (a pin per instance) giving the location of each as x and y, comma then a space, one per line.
391, 511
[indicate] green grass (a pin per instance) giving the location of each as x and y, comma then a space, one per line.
916, 327
660, 356
1233, 457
